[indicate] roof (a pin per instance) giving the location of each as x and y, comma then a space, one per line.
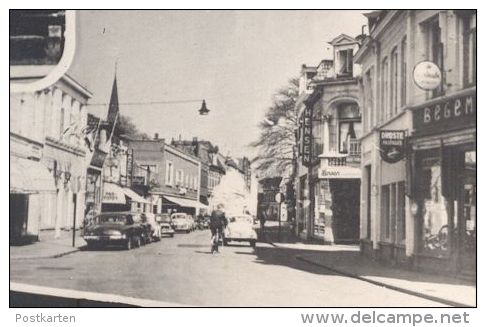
342, 39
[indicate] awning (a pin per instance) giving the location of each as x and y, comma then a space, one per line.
134, 196
29, 176
113, 194
183, 202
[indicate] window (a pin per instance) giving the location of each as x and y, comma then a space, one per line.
393, 212
369, 98
403, 72
154, 210
179, 177
61, 123
435, 51
196, 184
349, 127
385, 88
434, 210
469, 48
345, 62
385, 212
169, 173
394, 83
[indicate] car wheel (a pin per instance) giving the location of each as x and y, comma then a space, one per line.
91, 246
253, 244
171, 235
225, 242
129, 244
188, 231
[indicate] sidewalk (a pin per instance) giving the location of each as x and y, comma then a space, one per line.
48, 246
347, 260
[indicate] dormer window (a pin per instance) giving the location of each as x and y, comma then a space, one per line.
345, 62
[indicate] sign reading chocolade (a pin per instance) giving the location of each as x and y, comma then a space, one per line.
307, 137
392, 145
445, 115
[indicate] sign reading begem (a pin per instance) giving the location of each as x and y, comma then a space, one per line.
392, 145
427, 75
447, 114
307, 137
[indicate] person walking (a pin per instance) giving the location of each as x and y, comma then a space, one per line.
217, 222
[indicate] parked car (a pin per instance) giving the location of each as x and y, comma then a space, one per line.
114, 228
192, 222
181, 222
165, 222
240, 228
152, 226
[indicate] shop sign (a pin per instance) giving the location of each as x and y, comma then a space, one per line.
307, 137
392, 145
427, 75
339, 172
138, 180
129, 167
98, 158
448, 114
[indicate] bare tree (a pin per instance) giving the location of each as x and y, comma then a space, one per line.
276, 143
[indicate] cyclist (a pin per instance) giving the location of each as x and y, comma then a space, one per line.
217, 222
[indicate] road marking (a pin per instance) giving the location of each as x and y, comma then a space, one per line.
100, 297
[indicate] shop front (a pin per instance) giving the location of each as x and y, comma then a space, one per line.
336, 206
117, 198
67, 166
443, 175
31, 189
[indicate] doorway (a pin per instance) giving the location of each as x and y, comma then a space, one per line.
18, 214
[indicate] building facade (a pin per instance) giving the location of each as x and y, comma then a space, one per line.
328, 171
174, 176
47, 148
420, 211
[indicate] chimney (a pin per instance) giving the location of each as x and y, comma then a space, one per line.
156, 136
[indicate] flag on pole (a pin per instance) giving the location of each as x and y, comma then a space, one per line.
113, 109
90, 131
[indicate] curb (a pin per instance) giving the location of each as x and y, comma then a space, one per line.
52, 256
389, 286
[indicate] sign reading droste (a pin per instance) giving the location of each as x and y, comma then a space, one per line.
427, 75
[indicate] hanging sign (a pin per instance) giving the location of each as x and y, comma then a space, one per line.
427, 75
392, 145
307, 137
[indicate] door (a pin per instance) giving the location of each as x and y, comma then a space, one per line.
467, 215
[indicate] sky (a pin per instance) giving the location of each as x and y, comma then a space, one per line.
236, 60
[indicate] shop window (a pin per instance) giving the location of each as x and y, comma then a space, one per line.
401, 220
385, 212
434, 212
469, 48
393, 212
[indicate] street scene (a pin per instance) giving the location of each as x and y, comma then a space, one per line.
173, 158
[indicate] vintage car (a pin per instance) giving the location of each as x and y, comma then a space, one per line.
153, 231
114, 228
240, 228
182, 222
165, 223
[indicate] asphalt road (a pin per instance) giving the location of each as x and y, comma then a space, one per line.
182, 270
